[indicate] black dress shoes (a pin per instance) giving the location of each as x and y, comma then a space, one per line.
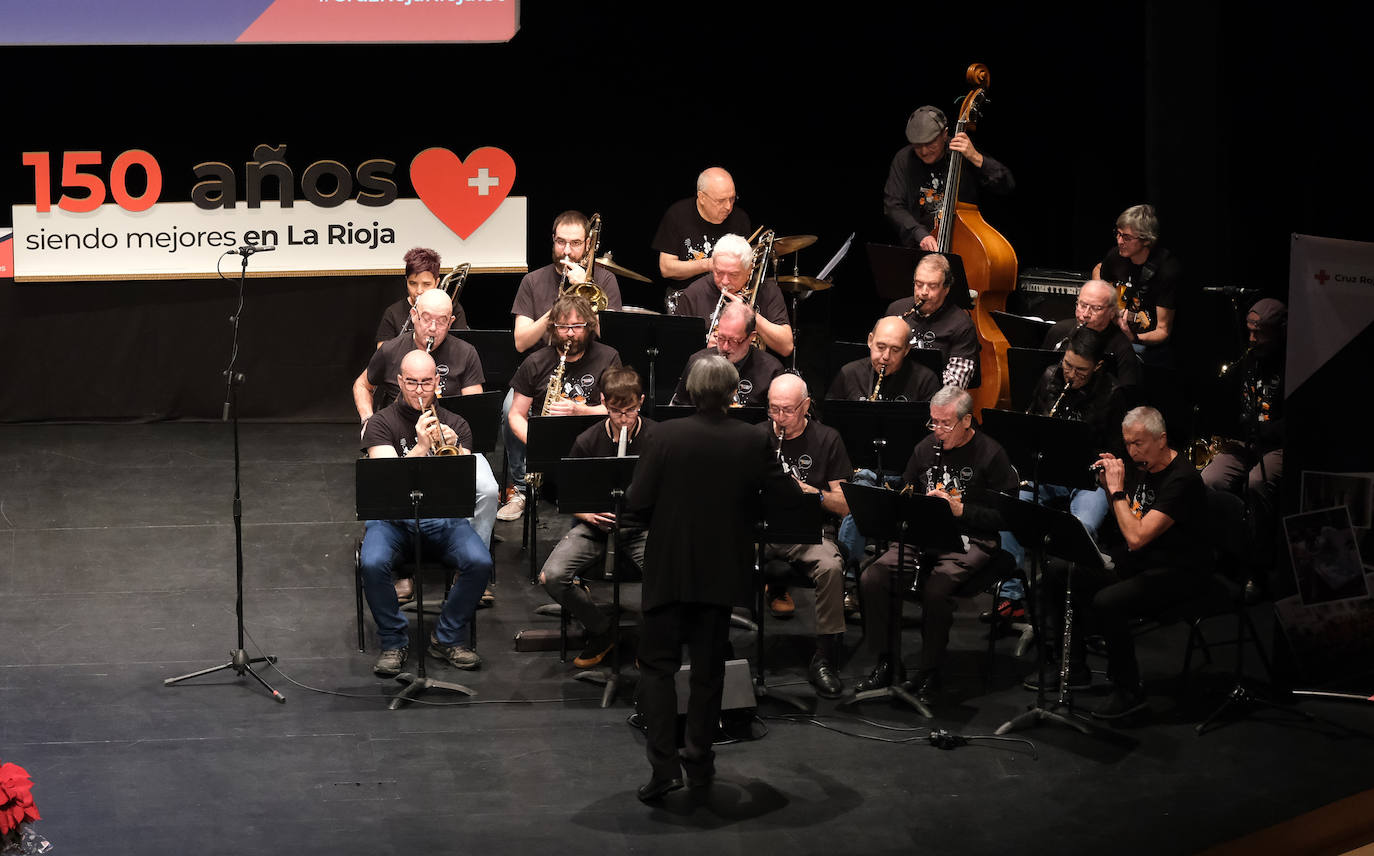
880, 677
822, 676
925, 682
656, 789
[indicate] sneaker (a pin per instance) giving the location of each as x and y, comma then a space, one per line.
1080, 678
389, 662
782, 606
405, 590
457, 656
1006, 611
514, 505
1121, 703
595, 650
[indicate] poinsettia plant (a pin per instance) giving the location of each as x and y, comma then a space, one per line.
16, 798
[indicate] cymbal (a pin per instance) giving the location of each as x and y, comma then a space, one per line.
783, 246
638, 310
802, 284
619, 270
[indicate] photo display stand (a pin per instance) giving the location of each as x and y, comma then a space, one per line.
879, 435
589, 486
482, 412
548, 439
916, 524
797, 522
415, 489
666, 341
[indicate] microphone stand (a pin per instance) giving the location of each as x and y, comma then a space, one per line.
239, 660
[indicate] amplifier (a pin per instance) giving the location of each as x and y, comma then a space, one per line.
1047, 293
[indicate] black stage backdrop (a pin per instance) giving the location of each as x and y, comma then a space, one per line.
1239, 127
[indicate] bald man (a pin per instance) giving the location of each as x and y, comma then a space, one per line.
402, 430
459, 367
902, 379
688, 232
1095, 309
815, 457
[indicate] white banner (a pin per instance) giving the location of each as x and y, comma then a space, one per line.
178, 240
1330, 301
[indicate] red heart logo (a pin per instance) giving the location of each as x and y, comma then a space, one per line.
462, 194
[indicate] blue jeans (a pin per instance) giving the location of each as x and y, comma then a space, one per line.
515, 450
387, 543
483, 519
1089, 506
850, 539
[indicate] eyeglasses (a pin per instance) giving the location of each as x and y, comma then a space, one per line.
1126, 236
616, 411
1071, 369
437, 320
943, 427
730, 341
412, 384
779, 410
1090, 308
571, 245
561, 327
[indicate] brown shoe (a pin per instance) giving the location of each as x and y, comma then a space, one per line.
782, 606
405, 589
595, 650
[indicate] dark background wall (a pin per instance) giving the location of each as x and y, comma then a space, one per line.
1240, 127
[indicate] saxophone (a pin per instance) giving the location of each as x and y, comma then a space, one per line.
553, 393
878, 385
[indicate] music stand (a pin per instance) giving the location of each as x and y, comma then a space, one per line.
663, 342
1020, 330
874, 429
548, 439
482, 412
497, 351
925, 524
590, 485
1025, 366
793, 523
894, 266
1051, 451
401, 488
751, 414
1063, 536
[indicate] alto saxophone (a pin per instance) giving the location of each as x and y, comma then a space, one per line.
553, 393
878, 384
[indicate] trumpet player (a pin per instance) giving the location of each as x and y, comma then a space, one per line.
814, 456
408, 428
901, 379
540, 288
756, 368
937, 323
732, 264
572, 330
422, 273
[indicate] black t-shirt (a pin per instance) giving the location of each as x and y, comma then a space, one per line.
394, 426
948, 329
684, 233
581, 377
539, 289
1119, 357
1255, 394
1154, 283
1177, 491
456, 361
596, 443
396, 320
978, 465
756, 372
915, 191
1099, 403
817, 456
911, 382
701, 297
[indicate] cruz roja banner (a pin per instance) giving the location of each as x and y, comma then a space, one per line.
99, 218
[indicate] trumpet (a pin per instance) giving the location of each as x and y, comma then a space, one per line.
437, 446
588, 287
878, 384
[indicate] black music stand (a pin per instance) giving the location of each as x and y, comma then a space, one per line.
657, 344
497, 351
590, 485
793, 523
547, 441
400, 488
874, 431
1063, 536
1045, 450
1021, 331
893, 268
916, 522
753, 415
1025, 366
482, 412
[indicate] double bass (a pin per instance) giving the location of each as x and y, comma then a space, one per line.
989, 260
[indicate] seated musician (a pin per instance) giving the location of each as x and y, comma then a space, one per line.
401, 430
937, 323
459, 372
585, 544
691, 227
732, 264
1162, 557
1151, 278
902, 379
422, 274
814, 455
914, 191
572, 328
756, 367
1095, 310
953, 462
539, 288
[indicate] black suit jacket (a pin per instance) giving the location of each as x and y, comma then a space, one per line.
699, 479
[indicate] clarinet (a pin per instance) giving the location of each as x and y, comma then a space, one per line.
931, 483
1064, 341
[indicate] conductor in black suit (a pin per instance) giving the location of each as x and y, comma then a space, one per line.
699, 480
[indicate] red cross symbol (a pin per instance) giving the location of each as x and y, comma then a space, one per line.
1322, 276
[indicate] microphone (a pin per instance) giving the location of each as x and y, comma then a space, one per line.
249, 249
1230, 290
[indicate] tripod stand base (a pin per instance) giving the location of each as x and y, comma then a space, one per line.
602, 677
1240, 696
416, 684
899, 692
762, 691
1038, 714
242, 665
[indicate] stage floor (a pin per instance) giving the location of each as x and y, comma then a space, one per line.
117, 571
